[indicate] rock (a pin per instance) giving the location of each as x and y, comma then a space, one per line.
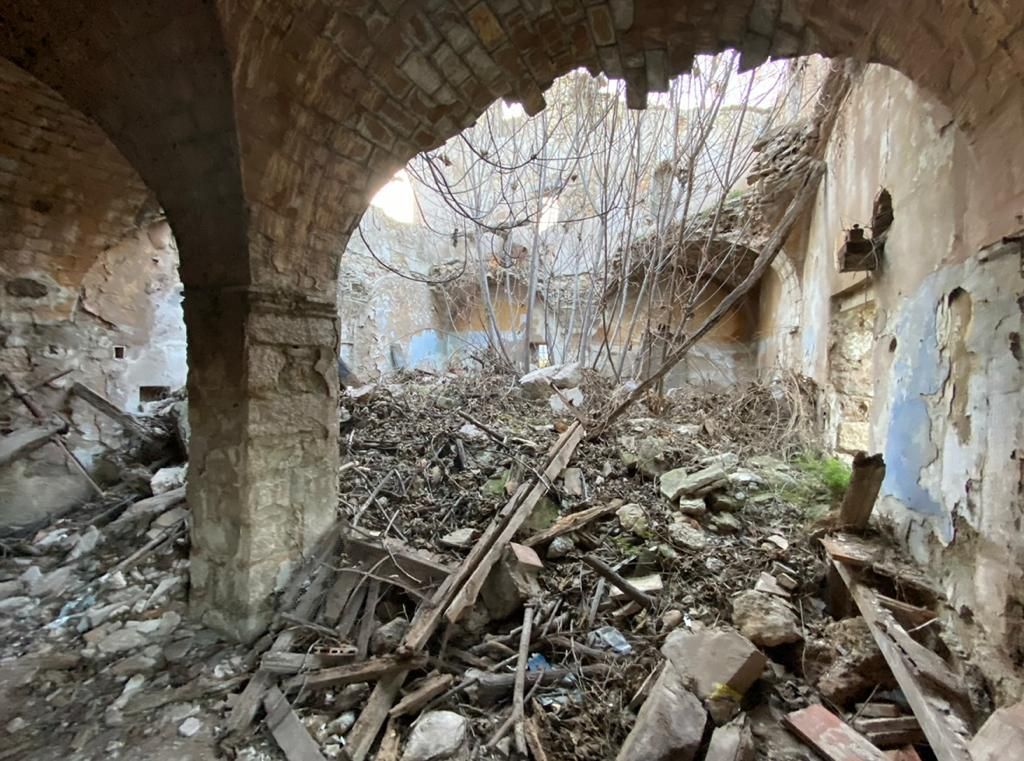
166, 479
767, 583
718, 665
535, 383
678, 483
471, 433
85, 543
572, 482
511, 581
122, 639
15, 725
670, 724
732, 742
49, 585
10, 588
460, 539
170, 518
133, 664
139, 515
115, 580
746, 479
846, 663
652, 455
650, 584
437, 735
342, 724
777, 542
12, 604
1003, 730
633, 519
765, 619
572, 396
560, 547
726, 523
388, 636
695, 508
671, 618
190, 727
724, 503
787, 581
133, 685
684, 534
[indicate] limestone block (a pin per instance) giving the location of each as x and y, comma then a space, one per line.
670, 724
765, 619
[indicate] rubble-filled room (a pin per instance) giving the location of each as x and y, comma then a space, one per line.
562, 380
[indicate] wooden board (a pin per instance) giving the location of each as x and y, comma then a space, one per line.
851, 550
947, 734
288, 730
352, 673
830, 736
569, 523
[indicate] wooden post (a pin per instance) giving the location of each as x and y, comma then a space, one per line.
859, 500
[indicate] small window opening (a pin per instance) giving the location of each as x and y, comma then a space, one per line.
118, 352
540, 355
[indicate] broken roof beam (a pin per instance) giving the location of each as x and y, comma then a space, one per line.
947, 733
16, 445
103, 405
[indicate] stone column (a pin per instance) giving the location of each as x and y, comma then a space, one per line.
262, 482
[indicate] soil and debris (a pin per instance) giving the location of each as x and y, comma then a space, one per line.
676, 599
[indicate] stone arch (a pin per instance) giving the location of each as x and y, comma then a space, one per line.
156, 78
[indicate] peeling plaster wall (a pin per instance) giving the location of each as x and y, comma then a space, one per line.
948, 411
130, 298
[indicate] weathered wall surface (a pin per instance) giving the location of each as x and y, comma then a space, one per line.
947, 406
88, 282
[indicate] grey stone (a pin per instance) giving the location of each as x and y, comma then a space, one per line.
670, 724
572, 482
682, 534
342, 724
387, 636
678, 483
190, 727
167, 479
133, 664
86, 543
732, 742
633, 519
171, 517
693, 507
52, 584
16, 725
573, 396
460, 538
10, 588
535, 383
765, 619
560, 547
726, 523
724, 503
437, 735
11, 604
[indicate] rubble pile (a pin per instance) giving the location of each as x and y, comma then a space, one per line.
497, 586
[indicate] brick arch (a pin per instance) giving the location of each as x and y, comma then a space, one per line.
332, 100
155, 77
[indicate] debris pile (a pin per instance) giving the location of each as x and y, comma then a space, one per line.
497, 587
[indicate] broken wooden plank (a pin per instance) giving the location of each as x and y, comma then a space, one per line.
338, 596
890, 732
830, 736
369, 621
428, 615
851, 550
288, 731
352, 673
101, 404
16, 445
947, 733
427, 690
405, 567
293, 663
860, 496
518, 511
912, 615
569, 523
390, 744
350, 614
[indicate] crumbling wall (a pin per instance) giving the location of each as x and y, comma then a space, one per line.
88, 283
944, 343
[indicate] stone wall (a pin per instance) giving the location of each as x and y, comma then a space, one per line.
944, 341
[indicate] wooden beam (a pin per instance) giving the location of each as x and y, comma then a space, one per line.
859, 500
16, 445
947, 733
428, 689
830, 736
103, 405
430, 612
353, 673
289, 732
569, 523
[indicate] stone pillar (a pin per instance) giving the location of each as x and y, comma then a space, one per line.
262, 482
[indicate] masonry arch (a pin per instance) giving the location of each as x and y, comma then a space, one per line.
264, 129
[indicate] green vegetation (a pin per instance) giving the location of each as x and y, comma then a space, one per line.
832, 474
815, 483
